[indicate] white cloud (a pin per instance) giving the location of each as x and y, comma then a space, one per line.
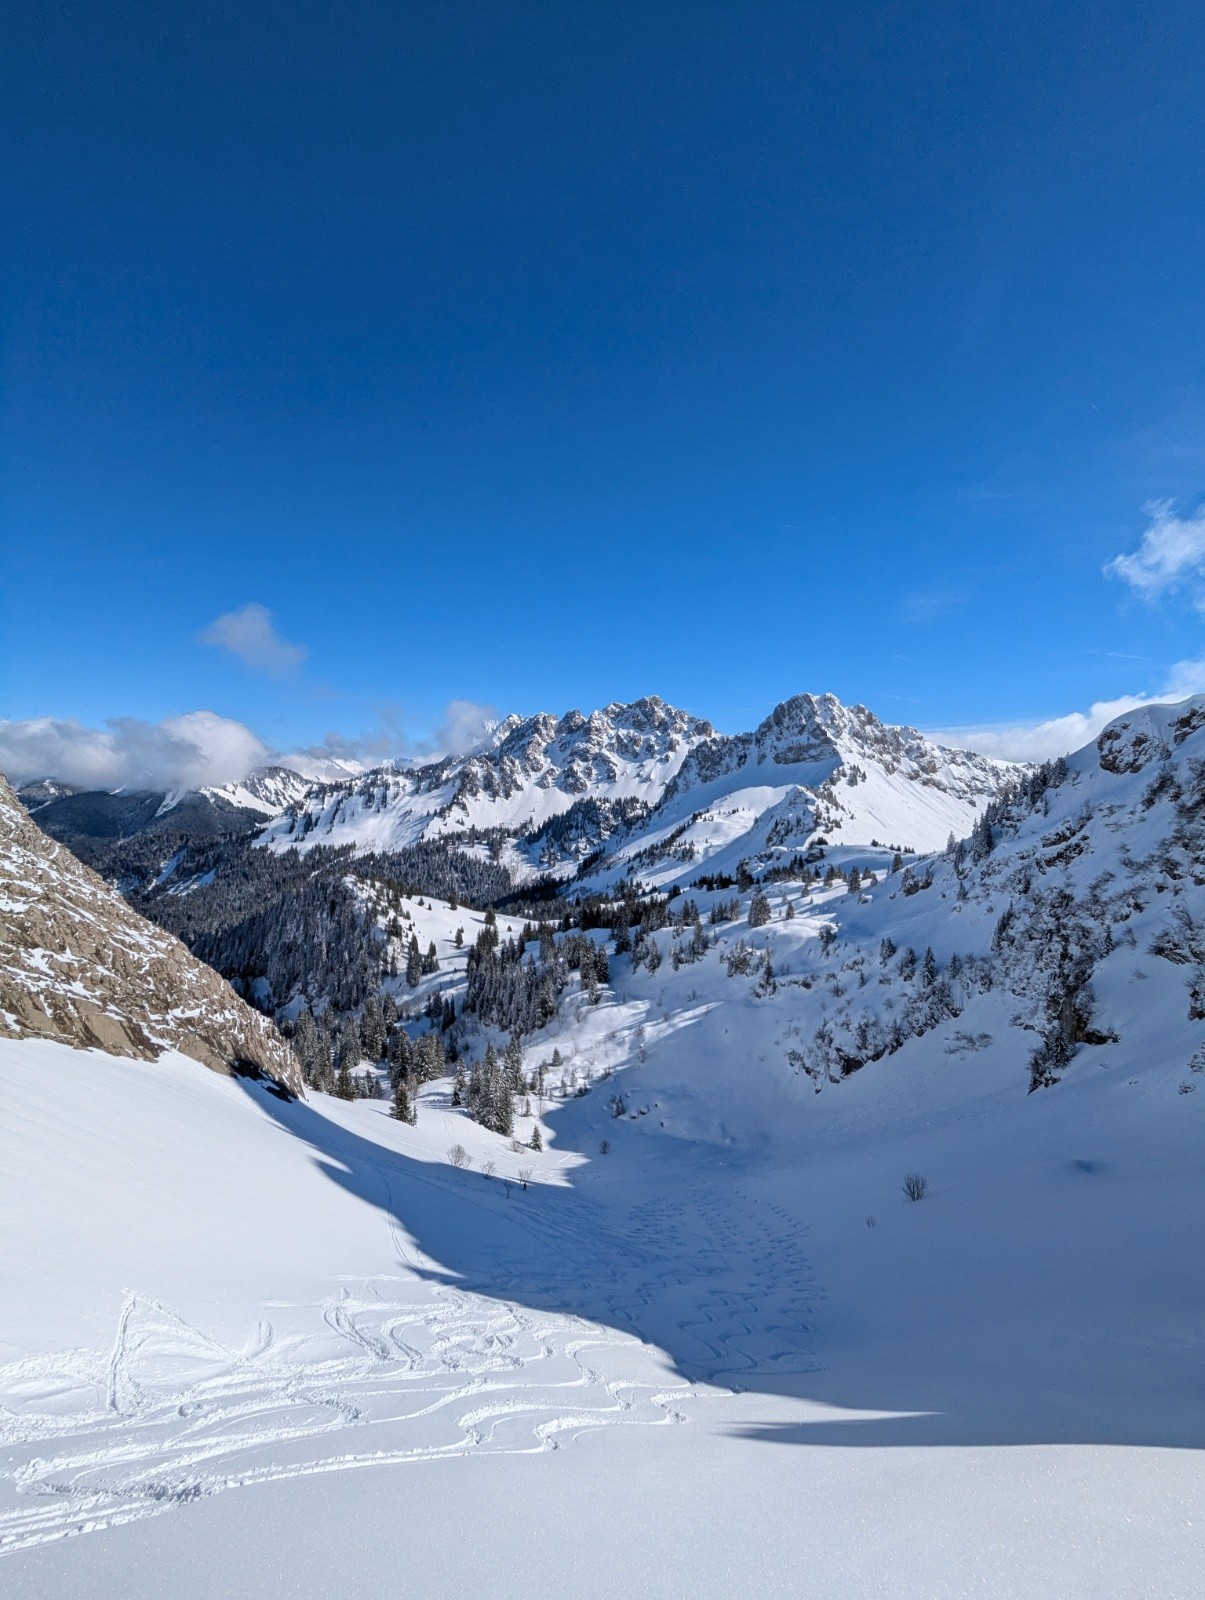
184, 752
930, 605
1171, 554
461, 727
1059, 736
464, 725
1040, 741
201, 749
1185, 678
249, 634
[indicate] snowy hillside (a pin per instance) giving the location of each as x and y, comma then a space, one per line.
731, 1315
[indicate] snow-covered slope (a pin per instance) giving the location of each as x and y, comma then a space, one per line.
729, 1337
78, 965
1076, 906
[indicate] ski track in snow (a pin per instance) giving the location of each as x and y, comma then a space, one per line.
402, 1370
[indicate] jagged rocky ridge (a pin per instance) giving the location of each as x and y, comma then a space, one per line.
606, 768
78, 965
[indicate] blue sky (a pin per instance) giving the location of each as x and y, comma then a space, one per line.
540, 355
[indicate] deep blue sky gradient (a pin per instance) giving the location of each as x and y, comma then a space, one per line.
544, 354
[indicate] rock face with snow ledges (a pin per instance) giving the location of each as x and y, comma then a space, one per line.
77, 965
1072, 921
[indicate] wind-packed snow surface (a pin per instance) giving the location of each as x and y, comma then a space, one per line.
252, 1345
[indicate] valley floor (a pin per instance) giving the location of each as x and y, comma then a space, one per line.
260, 1347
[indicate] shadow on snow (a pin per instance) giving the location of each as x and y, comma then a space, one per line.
684, 1253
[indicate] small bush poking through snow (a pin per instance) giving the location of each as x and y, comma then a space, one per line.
604, 1147
459, 1156
915, 1187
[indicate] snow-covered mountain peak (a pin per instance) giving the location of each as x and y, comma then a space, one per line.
815, 728
529, 772
268, 790
813, 771
817, 735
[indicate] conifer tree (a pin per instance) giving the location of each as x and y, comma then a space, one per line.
759, 910
403, 1108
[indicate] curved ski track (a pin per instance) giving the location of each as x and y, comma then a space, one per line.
402, 1370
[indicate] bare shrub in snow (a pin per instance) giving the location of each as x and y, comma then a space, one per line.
458, 1156
915, 1186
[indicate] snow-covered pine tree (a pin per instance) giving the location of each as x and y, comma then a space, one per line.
403, 1107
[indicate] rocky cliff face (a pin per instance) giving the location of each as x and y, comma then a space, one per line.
79, 966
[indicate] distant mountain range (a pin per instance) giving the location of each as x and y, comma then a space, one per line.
642, 789
648, 789
1020, 885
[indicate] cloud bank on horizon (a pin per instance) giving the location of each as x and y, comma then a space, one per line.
1059, 736
201, 749
191, 751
